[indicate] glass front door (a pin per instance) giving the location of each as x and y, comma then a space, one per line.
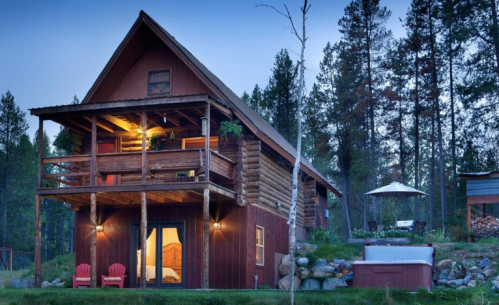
164, 254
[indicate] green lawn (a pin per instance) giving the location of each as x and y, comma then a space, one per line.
348, 296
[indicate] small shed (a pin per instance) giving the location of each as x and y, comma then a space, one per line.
481, 188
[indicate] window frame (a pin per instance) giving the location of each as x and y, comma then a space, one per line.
149, 83
261, 246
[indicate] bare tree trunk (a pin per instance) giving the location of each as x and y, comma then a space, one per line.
495, 32
453, 119
435, 95
416, 137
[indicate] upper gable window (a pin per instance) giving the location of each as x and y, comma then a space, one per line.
158, 82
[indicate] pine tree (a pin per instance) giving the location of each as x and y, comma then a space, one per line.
12, 127
280, 96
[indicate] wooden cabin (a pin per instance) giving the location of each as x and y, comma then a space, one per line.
481, 189
189, 210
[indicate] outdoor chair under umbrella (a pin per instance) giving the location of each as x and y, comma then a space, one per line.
397, 190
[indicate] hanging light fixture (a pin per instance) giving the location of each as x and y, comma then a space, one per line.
203, 126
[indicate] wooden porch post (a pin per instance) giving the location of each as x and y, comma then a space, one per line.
144, 140
38, 210
207, 144
93, 162
143, 238
38, 242
468, 220
206, 238
206, 204
93, 241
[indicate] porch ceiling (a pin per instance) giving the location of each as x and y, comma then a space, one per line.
130, 195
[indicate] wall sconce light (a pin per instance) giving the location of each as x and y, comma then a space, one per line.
326, 213
216, 225
99, 228
203, 126
278, 204
139, 130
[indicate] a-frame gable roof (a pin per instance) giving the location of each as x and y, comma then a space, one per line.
248, 116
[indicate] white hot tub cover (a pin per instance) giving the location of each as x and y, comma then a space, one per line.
398, 254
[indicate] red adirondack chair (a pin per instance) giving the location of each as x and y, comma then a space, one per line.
82, 277
116, 276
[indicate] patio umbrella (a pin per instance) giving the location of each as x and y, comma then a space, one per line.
397, 190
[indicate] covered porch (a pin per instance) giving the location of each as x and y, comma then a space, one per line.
116, 165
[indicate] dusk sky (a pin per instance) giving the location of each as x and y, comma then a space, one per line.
52, 50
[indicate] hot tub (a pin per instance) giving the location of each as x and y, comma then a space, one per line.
403, 267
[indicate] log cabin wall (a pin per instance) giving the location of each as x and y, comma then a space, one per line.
146, 52
227, 245
309, 190
275, 185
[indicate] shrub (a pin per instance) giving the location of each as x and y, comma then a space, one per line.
319, 236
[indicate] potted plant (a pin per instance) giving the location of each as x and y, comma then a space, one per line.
229, 129
154, 142
344, 268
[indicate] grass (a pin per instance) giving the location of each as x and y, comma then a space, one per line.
60, 267
349, 296
337, 251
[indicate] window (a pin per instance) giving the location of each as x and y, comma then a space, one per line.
259, 246
199, 142
158, 83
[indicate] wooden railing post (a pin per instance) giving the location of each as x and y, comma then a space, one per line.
93, 240
144, 153
206, 238
468, 220
143, 239
40, 152
207, 144
38, 242
93, 162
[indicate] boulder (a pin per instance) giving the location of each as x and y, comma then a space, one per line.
284, 283
320, 274
494, 285
333, 282
458, 271
467, 279
319, 262
488, 272
327, 269
57, 280
338, 261
472, 284
474, 269
46, 284
444, 264
59, 285
285, 266
484, 263
462, 287
480, 277
302, 261
311, 284
444, 274
303, 273
442, 282
455, 283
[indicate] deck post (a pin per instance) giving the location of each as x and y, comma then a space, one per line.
40, 152
38, 242
206, 238
93, 241
207, 144
143, 238
468, 220
144, 153
93, 162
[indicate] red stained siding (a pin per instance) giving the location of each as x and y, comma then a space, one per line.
276, 240
146, 52
227, 245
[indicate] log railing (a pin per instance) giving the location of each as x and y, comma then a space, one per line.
125, 168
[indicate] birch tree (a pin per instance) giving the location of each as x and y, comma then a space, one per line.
302, 37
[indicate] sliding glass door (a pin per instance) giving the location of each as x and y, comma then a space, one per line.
164, 254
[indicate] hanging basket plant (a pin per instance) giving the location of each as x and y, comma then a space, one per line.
154, 143
230, 129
